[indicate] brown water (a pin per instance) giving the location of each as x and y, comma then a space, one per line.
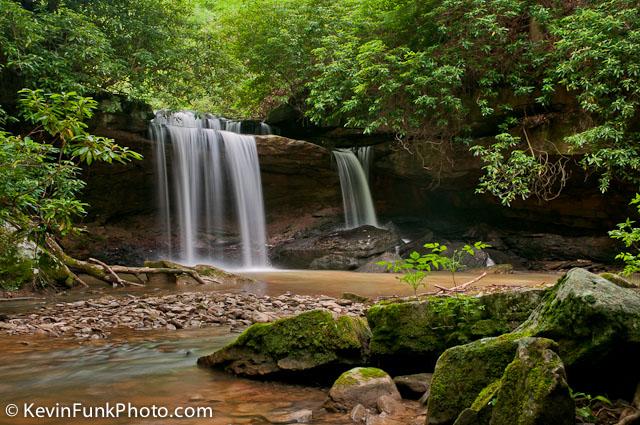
144, 369
147, 368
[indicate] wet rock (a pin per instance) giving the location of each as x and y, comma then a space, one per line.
313, 342
383, 419
360, 386
355, 297
413, 386
410, 335
334, 262
371, 266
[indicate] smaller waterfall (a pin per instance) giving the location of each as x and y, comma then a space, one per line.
365, 156
356, 196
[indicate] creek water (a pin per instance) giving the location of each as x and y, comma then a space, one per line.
144, 369
159, 367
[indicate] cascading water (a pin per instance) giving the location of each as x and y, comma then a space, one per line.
214, 179
356, 196
365, 156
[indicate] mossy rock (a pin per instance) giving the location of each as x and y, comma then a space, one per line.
462, 372
534, 389
596, 324
314, 342
360, 385
409, 336
619, 280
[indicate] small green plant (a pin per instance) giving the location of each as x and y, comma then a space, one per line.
629, 234
416, 268
585, 404
453, 263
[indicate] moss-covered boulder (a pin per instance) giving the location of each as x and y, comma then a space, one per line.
596, 324
360, 385
409, 336
462, 372
532, 391
314, 342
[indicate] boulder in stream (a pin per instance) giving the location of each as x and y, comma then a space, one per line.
596, 324
595, 328
361, 386
408, 336
312, 345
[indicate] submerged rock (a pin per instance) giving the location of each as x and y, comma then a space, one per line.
314, 342
361, 386
409, 336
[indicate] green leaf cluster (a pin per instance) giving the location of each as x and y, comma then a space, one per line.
417, 267
39, 172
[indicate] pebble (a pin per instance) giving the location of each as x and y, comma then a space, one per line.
93, 319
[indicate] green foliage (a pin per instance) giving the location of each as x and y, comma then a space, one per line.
425, 70
587, 403
417, 266
629, 234
158, 51
453, 262
39, 174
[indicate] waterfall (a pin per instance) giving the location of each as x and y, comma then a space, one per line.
365, 156
356, 197
213, 183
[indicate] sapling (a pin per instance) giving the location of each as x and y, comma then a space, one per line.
416, 268
453, 263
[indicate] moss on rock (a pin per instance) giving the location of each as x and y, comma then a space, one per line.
360, 385
311, 342
414, 333
534, 389
596, 324
462, 372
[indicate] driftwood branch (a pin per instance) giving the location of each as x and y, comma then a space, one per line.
117, 279
111, 273
463, 287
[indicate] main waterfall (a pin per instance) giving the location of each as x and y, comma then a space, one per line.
212, 185
356, 196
